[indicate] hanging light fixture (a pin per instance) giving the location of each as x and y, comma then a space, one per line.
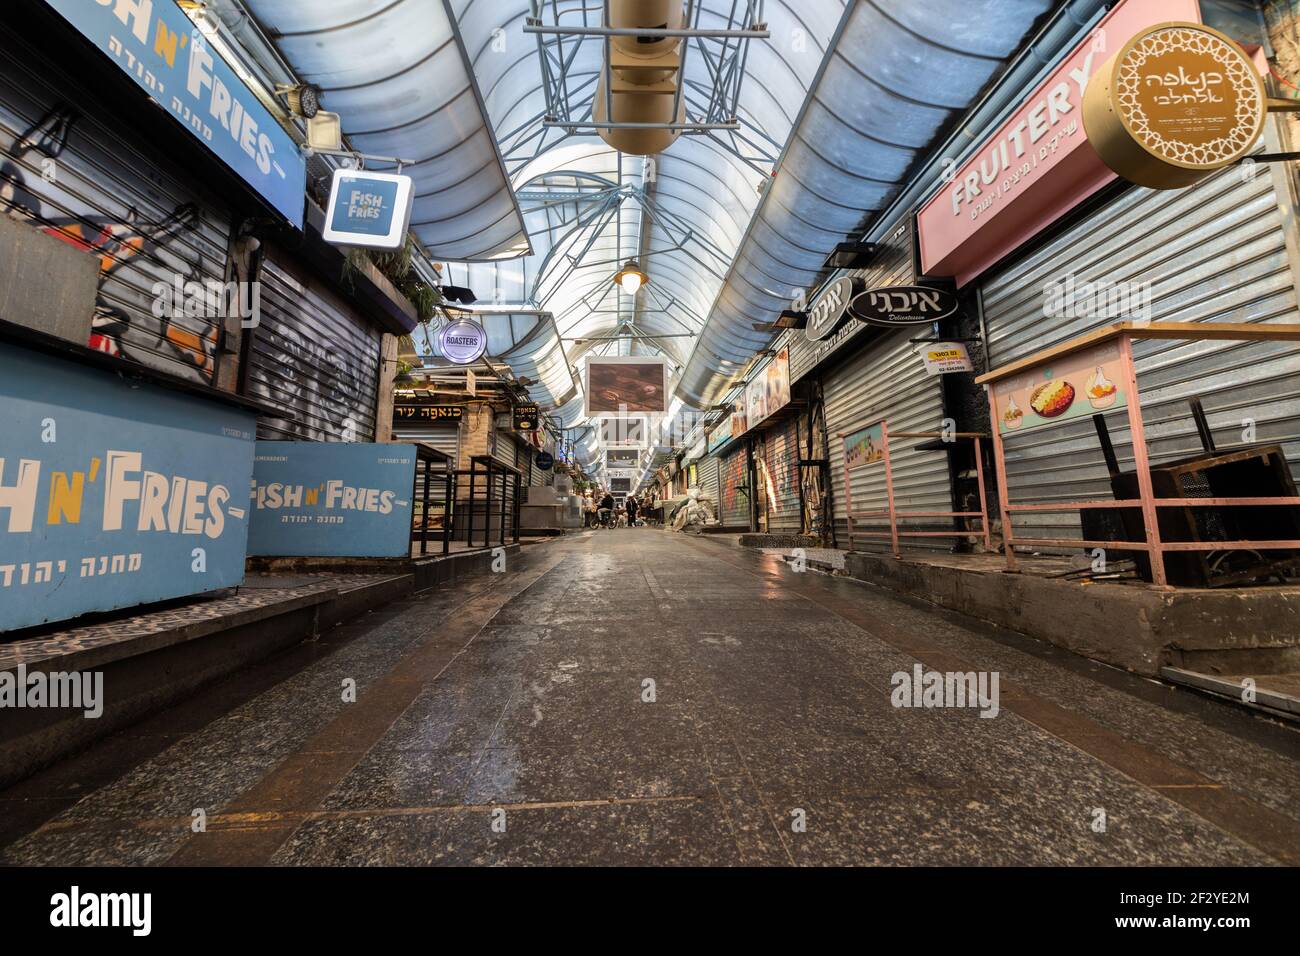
631, 278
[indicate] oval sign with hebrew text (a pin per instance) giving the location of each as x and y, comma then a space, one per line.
904, 305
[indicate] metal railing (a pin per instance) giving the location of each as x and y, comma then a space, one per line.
500, 484
434, 495
872, 444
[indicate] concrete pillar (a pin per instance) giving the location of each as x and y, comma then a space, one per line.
387, 372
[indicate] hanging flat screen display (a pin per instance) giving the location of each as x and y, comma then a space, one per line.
623, 384
622, 457
625, 432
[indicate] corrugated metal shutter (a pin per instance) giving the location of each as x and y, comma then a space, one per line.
735, 501
1213, 253
506, 449
444, 437
76, 177
887, 381
781, 456
708, 471
314, 356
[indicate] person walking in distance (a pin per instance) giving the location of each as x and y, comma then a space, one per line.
631, 511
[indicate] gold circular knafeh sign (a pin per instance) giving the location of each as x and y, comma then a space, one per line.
1178, 102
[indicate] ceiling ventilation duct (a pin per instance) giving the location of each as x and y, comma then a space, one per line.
644, 76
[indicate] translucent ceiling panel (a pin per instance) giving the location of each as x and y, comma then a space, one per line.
397, 77
890, 87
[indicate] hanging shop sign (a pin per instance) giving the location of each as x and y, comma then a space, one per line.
415, 412
904, 305
1177, 103
612, 473
525, 417
1078, 386
162, 50
830, 308
331, 499
114, 493
463, 341
865, 447
370, 210
944, 358
545, 460
620, 384
622, 457
1038, 166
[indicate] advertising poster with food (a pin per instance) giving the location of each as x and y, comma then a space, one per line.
1075, 386
739, 421
623, 384
865, 447
778, 382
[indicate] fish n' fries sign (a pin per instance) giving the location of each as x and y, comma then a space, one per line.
114, 493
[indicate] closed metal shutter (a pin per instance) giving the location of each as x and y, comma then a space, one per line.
1215, 252
887, 381
444, 437
77, 177
313, 356
506, 449
707, 473
781, 457
734, 510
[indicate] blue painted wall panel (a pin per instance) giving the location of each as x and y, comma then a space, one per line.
113, 493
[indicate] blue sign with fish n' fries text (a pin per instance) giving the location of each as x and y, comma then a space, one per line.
113, 493
332, 499
158, 46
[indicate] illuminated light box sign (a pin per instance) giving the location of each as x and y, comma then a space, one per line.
114, 494
463, 342
371, 210
161, 49
331, 499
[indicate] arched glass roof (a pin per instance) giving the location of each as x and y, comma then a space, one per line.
682, 215
811, 131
